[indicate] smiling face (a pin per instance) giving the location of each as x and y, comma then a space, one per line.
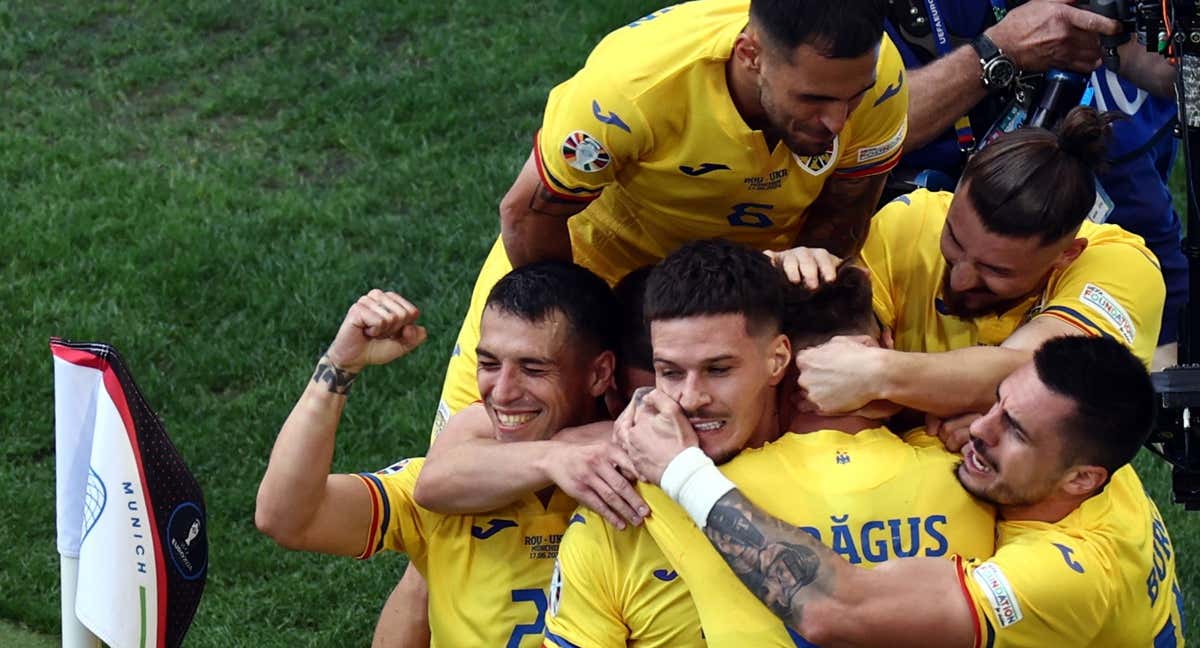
533, 380
722, 376
1017, 456
807, 99
987, 273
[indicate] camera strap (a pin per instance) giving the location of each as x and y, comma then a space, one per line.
963, 132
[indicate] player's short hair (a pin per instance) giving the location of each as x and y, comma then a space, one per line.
634, 349
835, 28
1113, 396
535, 291
838, 307
1032, 182
717, 277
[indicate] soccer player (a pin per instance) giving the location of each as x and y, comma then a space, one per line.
960, 85
771, 123
847, 480
971, 283
547, 335
1082, 558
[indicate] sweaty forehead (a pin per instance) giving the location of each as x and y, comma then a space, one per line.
505, 333
690, 340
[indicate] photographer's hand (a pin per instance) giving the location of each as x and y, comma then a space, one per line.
1045, 34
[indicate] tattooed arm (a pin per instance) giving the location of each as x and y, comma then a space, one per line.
838, 220
533, 221
915, 601
300, 505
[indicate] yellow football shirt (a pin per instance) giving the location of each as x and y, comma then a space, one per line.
1104, 576
487, 573
1114, 288
615, 588
869, 496
648, 134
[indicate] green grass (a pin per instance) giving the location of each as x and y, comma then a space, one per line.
208, 185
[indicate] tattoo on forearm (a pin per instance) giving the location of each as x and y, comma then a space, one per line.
841, 217
339, 380
777, 562
546, 203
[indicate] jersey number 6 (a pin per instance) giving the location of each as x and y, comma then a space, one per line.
750, 214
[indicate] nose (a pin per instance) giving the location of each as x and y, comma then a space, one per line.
834, 117
693, 395
508, 385
986, 427
963, 277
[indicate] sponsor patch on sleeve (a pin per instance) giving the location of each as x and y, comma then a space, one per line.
1100, 301
893, 143
999, 593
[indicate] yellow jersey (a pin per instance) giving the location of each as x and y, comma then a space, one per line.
1102, 576
1114, 288
487, 573
614, 589
648, 134
869, 496
648, 130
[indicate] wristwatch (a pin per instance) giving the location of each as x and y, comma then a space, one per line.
999, 71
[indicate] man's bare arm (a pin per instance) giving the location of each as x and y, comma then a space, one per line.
941, 92
1147, 70
533, 220
839, 218
469, 471
908, 602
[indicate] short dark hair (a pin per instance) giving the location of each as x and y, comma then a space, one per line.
835, 28
838, 307
1113, 396
716, 277
634, 349
1032, 182
535, 291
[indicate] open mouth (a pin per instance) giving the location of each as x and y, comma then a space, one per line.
974, 461
515, 419
707, 426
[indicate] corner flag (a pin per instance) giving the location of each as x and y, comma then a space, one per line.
128, 509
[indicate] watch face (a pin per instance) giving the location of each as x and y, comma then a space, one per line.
1000, 73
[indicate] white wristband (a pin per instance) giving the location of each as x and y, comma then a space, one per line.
693, 480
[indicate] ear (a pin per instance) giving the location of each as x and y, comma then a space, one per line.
779, 357
601, 375
1084, 481
1072, 252
747, 51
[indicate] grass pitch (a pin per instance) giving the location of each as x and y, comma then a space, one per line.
208, 185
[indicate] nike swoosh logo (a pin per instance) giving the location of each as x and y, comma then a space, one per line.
494, 526
707, 167
611, 118
891, 90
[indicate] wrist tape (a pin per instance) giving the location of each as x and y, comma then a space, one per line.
693, 480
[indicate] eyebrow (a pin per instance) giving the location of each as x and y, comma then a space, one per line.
481, 352
721, 358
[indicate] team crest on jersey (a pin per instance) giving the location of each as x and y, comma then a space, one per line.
555, 588
818, 164
584, 152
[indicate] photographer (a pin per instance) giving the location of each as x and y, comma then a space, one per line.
965, 57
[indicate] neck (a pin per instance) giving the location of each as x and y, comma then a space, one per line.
1049, 510
802, 423
768, 428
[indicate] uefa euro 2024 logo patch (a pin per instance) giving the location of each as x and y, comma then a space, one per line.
584, 152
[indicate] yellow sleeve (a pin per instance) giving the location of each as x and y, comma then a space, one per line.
878, 256
396, 524
589, 132
873, 139
1114, 289
584, 610
1045, 592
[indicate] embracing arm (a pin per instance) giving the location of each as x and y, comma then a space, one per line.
839, 218
917, 601
469, 471
533, 220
